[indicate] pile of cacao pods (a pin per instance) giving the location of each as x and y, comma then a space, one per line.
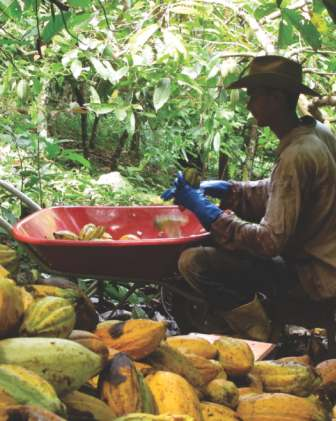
57, 362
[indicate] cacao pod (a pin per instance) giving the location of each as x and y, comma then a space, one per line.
174, 395
215, 412
193, 345
11, 307
150, 417
235, 355
137, 337
49, 316
223, 392
81, 406
327, 370
65, 364
287, 377
209, 369
29, 413
26, 387
119, 386
166, 358
90, 341
192, 176
8, 258
280, 407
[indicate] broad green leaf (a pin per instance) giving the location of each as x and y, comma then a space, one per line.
78, 19
14, 9
79, 3
6, 3
69, 56
100, 68
216, 142
94, 96
141, 37
54, 26
318, 6
308, 31
285, 36
22, 88
172, 40
75, 157
76, 68
101, 109
265, 10
131, 124
161, 93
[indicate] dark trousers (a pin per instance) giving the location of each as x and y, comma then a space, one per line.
230, 279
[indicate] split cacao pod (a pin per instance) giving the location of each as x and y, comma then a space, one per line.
327, 370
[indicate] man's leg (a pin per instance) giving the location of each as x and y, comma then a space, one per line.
229, 281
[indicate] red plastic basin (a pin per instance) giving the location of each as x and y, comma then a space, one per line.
150, 258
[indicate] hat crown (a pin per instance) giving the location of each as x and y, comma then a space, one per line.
276, 65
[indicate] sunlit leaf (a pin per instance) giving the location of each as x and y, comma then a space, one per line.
183, 10
216, 142
141, 37
76, 68
101, 109
22, 88
161, 93
308, 31
12, 7
75, 157
121, 113
100, 68
131, 125
174, 41
94, 96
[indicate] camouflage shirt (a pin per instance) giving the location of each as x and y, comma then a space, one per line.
291, 214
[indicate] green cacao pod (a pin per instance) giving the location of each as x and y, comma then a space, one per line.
27, 387
8, 258
11, 307
49, 316
192, 176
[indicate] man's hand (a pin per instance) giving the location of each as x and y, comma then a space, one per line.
216, 188
194, 200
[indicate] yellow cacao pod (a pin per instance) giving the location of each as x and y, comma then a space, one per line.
119, 386
303, 359
65, 364
192, 344
173, 395
26, 387
235, 355
209, 369
11, 307
8, 258
49, 316
137, 337
166, 358
149, 417
287, 377
81, 406
280, 407
215, 412
223, 392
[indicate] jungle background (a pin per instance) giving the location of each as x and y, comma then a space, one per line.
90, 87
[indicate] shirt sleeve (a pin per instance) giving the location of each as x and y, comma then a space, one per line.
248, 199
268, 237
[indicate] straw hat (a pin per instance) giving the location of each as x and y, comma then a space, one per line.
274, 72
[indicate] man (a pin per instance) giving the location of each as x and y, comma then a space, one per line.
274, 236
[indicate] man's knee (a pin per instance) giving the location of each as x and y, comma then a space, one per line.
188, 259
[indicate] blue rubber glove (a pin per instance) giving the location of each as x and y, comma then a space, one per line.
194, 200
216, 188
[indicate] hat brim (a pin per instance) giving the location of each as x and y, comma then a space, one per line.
272, 80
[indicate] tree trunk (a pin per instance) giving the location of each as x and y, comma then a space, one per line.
79, 90
94, 131
135, 142
251, 142
118, 150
